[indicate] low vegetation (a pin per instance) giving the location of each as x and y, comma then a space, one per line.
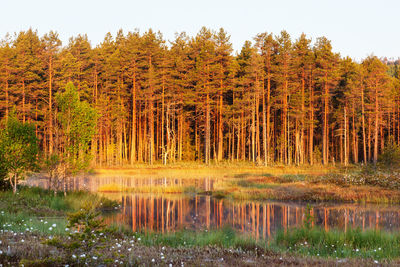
37, 202
352, 243
57, 230
155, 189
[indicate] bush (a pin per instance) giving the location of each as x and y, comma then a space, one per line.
390, 157
4, 182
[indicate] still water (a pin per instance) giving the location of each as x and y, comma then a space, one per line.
166, 213
260, 219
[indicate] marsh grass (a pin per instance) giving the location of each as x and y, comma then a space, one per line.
225, 169
20, 223
225, 237
330, 187
39, 210
335, 243
305, 241
154, 189
42, 202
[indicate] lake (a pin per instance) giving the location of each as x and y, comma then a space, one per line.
260, 219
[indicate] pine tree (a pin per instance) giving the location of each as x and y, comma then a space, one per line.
51, 48
327, 76
376, 83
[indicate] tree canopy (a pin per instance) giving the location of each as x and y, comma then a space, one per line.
278, 100
18, 149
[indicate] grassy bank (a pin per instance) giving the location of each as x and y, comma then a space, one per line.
38, 210
193, 170
155, 189
322, 188
287, 183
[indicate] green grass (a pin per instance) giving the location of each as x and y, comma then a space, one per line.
40, 202
225, 237
20, 223
34, 209
353, 243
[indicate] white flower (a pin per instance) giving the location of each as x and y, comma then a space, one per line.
73, 256
22, 241
1, 252
66, 229
94, 257
54, 225
375, 261
153, 260
50, 228
139, 239
83, 255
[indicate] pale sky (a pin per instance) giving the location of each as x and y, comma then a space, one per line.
357, 28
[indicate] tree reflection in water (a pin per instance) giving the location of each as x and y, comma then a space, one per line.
165, 213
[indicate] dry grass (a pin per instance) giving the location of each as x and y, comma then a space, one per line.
155, 189
274, 188
245, 181
198, 170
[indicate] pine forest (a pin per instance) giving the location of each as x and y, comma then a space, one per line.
278, 100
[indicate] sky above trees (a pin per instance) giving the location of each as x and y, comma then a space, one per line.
357, 28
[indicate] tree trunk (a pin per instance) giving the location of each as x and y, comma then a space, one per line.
264, 133
220, 125
311, 133
325, 124
207, 129
50, 108
376, 125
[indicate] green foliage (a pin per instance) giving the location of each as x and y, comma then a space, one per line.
309, 218
87, 226
390, 157
78, 123
87, 232
4, 182
18, 149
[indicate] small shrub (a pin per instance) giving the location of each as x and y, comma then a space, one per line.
390, 157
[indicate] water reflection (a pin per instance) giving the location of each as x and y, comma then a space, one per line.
165, 213
169, 212
94, 183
